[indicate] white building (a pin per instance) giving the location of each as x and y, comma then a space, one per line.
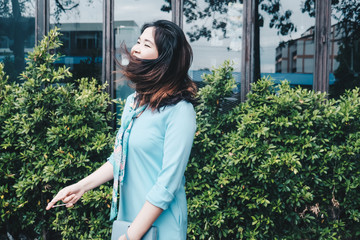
297, 56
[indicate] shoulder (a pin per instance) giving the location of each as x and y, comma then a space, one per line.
181, 113
181, 120
130, 99
182, 107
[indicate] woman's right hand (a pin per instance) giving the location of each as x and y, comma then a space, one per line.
69, 195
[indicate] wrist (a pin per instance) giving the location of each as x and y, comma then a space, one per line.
126, 235
131, 235
82, 184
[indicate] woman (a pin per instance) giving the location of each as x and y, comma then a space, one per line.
155, 138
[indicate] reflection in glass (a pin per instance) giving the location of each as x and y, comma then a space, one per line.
17, 35
294, 53
81, 26
214, 39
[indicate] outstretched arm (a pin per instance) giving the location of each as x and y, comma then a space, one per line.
71, 194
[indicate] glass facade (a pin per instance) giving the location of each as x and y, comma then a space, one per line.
85, 44
296, 53
17, 35
224, 44
81, 28
214, 39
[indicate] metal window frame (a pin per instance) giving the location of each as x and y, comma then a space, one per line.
177, 12
108, 48
248, 50
42, 19
321, 79
322, 46
108, 62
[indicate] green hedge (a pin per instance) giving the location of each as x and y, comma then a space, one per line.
283, 165
52, 135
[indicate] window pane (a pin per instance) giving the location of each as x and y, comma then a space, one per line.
129, 17
214, 30
81, 28
214, 38
297, 53
17, 35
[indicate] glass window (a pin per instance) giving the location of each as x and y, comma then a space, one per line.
289, 53
294, 52
213, 45
17, 35
81, 28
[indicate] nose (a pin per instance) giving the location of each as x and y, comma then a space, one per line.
135, 49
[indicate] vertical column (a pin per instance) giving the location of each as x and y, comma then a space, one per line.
177, 12
248, 48
108, 47
322, 45
41, 19
108, 39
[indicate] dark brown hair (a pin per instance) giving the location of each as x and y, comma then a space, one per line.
162, 81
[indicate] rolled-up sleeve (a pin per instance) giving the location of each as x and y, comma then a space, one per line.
111, 159
179, 136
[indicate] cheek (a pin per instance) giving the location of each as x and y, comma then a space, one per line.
153, 54
146, 54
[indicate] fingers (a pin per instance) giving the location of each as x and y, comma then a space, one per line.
69, 195
71, 200
52, 203
69, 205
68, 200
61, 196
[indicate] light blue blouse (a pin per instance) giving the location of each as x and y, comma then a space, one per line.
159, 149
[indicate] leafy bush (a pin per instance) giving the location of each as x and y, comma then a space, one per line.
283, 165
52, 135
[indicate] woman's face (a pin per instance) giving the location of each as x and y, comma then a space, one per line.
145, 47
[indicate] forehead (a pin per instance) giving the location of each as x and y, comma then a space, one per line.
148, 33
